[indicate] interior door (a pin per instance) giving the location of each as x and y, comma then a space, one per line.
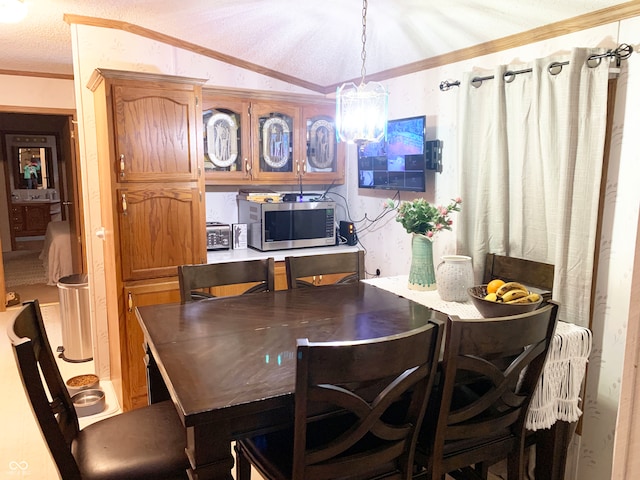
71, 195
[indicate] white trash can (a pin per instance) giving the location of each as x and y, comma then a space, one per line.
77, 341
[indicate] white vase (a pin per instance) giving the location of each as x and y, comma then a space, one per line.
454, 276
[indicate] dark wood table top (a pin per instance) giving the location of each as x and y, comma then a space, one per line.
232, 357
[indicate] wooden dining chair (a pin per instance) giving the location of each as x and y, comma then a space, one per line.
317, 270
250, 276
358, 405
489, 373
512, 269
140, 444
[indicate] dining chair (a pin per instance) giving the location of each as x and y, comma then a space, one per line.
145, 443
489, 372
513, 269
358, 405
194, 279
312, 270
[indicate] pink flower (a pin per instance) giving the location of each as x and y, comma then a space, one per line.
439, 226
429, 234
443, 211
458, 200
450, 222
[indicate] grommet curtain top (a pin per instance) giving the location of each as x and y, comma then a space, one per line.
623, 52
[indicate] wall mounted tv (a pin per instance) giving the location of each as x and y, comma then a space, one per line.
398, 163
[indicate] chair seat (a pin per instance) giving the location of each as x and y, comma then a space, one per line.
146, 443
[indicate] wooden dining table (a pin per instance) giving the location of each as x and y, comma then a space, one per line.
228, 364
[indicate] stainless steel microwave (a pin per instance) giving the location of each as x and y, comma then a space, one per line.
277, 226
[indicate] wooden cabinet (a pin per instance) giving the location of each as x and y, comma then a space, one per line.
30, 219
254, 138
152, 189
134, 360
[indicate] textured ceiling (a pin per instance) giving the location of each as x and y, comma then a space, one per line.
318, 41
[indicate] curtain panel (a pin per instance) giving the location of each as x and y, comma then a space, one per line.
531, 151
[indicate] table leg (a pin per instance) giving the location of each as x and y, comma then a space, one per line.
551, 450
209, 452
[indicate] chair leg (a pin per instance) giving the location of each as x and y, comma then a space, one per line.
515, 465
243, 465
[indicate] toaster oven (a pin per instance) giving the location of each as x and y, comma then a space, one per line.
218, 236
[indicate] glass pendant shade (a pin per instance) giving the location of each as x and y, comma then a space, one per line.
12, 11
361, 112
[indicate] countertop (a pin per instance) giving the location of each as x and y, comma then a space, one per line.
231, 255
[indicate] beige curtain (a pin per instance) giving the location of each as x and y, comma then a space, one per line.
531, 150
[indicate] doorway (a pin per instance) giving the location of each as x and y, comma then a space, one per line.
24, 268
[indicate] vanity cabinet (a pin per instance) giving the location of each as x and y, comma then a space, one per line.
152, 190
255, 138
30, 219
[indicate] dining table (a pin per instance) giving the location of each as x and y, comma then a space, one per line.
228, 363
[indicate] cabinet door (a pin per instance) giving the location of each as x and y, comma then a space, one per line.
275, 139
36, 219
227, 147
323, 161
155, 134
133, 353
160, 228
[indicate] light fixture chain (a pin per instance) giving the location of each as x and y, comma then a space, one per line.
363, 71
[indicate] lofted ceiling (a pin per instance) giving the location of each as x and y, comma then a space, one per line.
315, 41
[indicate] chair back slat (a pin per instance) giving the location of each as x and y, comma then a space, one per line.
512, 269
196, 277
358, 404
351, 264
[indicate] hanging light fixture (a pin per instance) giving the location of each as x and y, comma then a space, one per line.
12, 11
361, 111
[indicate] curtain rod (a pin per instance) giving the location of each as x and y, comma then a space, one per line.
623, 52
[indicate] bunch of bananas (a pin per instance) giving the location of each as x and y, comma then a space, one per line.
512, 292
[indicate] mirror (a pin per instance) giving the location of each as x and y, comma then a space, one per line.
33, 161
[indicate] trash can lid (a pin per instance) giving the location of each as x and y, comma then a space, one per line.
75, 279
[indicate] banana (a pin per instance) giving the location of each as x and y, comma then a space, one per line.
531, 298
492, 297
513, 295
507, 287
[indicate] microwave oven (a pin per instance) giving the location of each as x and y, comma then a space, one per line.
281, 225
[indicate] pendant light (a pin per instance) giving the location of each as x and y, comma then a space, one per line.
12, 11
361, 111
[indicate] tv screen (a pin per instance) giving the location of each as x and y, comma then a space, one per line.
397, 163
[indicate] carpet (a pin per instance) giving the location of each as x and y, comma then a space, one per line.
23, 268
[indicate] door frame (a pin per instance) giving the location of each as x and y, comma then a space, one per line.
72, 188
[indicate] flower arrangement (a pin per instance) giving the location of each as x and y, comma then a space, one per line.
419, 216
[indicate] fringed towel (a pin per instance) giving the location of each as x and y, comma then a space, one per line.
558, 392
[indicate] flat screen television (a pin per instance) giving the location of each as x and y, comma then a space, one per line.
399, 163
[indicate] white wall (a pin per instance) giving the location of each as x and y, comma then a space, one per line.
387, 244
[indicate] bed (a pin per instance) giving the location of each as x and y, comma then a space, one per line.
56, 252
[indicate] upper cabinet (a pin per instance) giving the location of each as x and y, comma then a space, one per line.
250, 138
155, 134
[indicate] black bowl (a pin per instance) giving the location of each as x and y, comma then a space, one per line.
489, 309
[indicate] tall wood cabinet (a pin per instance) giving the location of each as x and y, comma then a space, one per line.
152, 192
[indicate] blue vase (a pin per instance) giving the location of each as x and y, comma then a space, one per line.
422, 275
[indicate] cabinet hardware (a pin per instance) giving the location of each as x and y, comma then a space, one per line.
130, 301
124, 204
122, 165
